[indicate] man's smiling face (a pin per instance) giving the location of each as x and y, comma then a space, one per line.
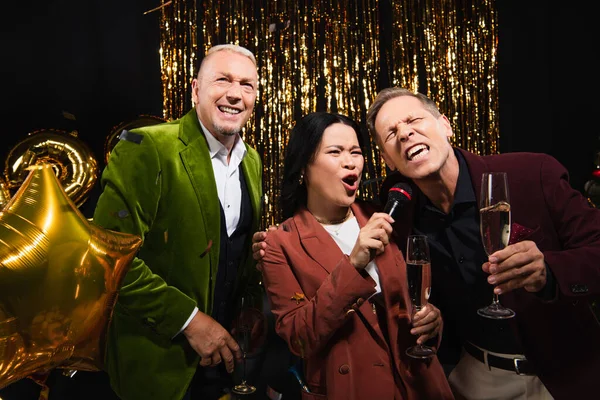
224, 92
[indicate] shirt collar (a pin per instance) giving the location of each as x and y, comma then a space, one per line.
217, 148
464, 188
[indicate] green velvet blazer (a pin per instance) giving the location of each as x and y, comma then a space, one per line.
159, 184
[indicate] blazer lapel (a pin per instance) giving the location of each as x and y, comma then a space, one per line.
251, 164
392, 275
316, 241
319, 245
196, 159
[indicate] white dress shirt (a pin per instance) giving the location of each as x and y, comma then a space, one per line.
227, 178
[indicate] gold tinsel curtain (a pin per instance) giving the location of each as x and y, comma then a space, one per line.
329, 56
178, 55
447, 50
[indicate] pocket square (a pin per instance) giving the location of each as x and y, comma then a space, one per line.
518, 233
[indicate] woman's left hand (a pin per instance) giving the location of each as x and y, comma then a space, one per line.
427, 323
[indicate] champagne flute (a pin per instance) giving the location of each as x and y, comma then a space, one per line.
494, 224
249, 328
418, 273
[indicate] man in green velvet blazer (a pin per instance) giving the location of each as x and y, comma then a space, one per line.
160, 183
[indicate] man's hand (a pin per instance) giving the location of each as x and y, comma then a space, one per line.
212, 342
258, 243
520, 265
426, 323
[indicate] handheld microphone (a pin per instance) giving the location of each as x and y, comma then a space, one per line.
399, 195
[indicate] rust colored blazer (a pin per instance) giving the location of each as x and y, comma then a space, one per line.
321, 304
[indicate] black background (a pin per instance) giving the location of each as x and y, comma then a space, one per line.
99, 61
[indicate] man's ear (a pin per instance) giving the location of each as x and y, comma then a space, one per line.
447, 127
195, 92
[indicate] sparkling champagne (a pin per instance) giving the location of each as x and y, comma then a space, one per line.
495, 226
418, 277
418, 284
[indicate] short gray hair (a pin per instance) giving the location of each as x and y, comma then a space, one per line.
233, 48
390, 93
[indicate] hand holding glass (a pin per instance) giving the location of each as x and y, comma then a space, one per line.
418, 273
494, 217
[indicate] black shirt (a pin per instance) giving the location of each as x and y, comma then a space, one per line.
459, 285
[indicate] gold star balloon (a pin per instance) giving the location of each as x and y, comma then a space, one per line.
59, 279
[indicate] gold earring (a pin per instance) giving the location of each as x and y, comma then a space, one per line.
301, 180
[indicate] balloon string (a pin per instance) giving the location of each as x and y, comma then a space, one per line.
41, 380
44, 393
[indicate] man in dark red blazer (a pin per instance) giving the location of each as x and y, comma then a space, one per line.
548, 274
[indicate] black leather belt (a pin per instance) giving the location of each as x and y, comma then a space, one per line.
520, 366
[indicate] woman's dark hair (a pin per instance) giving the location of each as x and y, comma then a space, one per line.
301, 148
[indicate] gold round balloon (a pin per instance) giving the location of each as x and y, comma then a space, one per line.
59, 279
71, 159
4, 193
113, 138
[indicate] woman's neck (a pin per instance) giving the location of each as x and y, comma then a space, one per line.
333, 217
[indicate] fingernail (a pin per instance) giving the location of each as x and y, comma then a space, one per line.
493, 259
491, 279
493, 270
498, 290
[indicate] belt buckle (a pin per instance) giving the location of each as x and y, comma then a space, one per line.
516, 363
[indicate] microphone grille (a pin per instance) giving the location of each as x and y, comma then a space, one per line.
401, 192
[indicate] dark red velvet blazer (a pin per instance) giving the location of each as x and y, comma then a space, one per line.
561, 337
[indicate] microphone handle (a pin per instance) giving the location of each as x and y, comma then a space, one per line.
392, 207
373, 254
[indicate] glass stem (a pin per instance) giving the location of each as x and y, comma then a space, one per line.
417, 309
244, 370
496, 300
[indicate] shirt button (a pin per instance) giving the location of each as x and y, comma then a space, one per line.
228, 205
461, 259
